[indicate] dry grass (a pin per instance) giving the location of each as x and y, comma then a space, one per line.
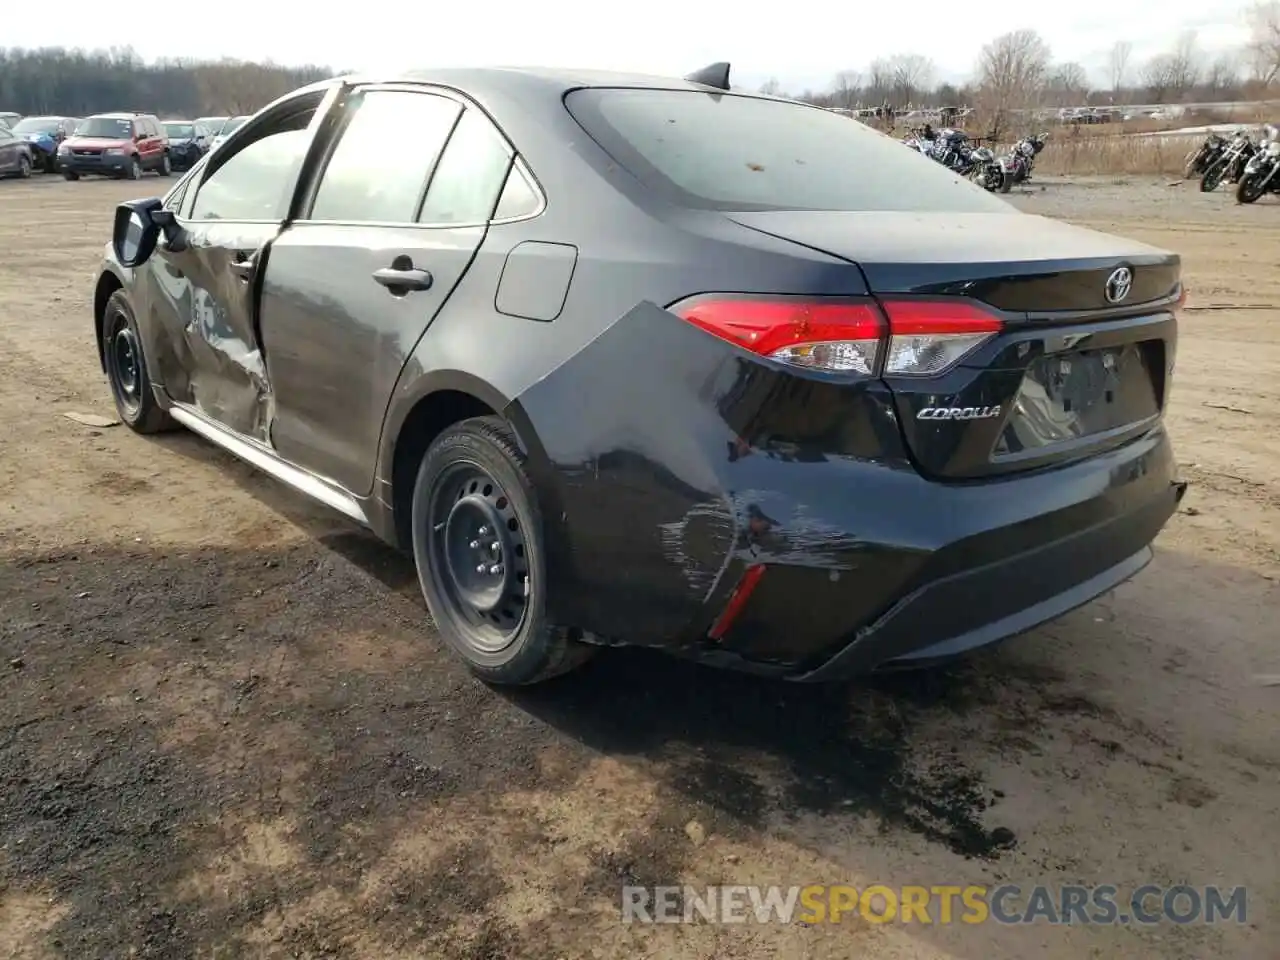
1113, 155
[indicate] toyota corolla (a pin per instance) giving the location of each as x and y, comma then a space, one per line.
631, 360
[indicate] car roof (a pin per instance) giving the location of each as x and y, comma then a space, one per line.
513, 79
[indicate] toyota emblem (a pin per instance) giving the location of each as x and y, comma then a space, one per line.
1119, 284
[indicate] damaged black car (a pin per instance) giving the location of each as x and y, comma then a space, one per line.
632, 360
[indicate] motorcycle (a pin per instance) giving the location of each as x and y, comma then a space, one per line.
1230, 166
1021, 159
1261, 173
952, 150
1204, 156
988, 172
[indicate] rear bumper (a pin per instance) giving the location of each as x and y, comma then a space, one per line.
973, 608
954, 568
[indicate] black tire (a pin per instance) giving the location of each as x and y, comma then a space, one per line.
70, 175
130, 388
135, 169
166, 165
1006, 182
472, 491
24, 167
1212, 178
1248, 189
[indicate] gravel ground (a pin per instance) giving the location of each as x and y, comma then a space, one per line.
226, 727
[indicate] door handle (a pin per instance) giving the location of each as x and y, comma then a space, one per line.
243, 268
403, 279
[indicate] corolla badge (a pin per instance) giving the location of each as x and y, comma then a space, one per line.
958, 413
1119, 284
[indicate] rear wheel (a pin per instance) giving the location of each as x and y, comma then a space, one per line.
478, 547
127, 370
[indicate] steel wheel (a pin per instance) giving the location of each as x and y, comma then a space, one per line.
124, 364
478, 553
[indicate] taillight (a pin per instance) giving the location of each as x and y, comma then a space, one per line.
847, 335
835, 335
927, 337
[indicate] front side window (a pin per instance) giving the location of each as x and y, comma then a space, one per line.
731, 152
379, 168
256, 182
470, 174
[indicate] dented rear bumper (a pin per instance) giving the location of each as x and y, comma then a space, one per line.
669, 463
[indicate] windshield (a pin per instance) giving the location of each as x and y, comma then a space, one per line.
36, 125
727, 152
214, 124
235, 123
179, 131
114, 128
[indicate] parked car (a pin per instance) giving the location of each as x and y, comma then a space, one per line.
15, 155
189, 140
122, 145
629, 360
45, 134
213, 123
231, 125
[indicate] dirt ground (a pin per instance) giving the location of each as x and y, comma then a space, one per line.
226, 728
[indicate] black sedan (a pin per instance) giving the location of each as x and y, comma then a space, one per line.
189, 140
632, 360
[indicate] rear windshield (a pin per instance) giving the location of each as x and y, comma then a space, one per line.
179, 131
235, 123
728, 152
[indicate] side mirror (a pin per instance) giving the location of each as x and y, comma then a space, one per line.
134, 233
175, 238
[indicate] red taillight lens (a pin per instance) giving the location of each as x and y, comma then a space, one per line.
927, 337
847, 335
838, 336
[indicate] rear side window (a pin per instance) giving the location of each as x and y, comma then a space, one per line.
728, 152
470, 175
379, 168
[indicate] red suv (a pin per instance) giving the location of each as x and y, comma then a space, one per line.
116, 145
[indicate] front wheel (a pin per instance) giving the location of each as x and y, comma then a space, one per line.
127, 369
166, 166
1249, 188
478, 546
24, 167
1212, 178
135, 169
70, 175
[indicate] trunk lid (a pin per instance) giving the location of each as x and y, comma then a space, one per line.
1081, 364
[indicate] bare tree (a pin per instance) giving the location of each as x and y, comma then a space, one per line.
879, 81
1264, 40
1223, 75
1068, 84
911, 75
771, 87
1185, 64
1011, 74
847, 88
1118, 62
1159, 76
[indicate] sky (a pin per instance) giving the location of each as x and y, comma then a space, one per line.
804, 50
